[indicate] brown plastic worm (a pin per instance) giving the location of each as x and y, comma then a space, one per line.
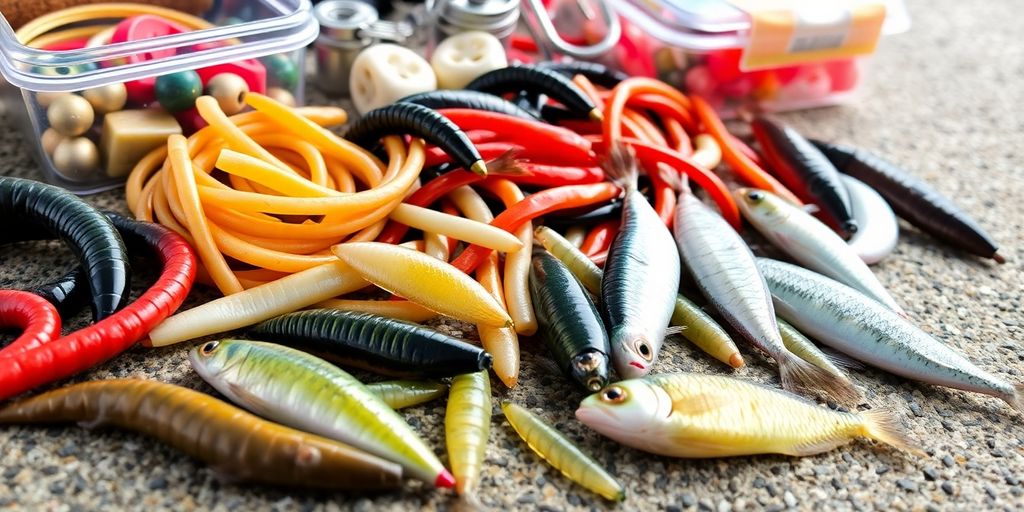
236, 444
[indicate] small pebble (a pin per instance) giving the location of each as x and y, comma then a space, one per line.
990, 491
1011, 480
947, 487
907, 484
881, 470
931, 474
789, 499
688, 500
157, 482
948, 461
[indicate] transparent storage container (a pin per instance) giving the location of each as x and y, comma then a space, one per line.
262, 41
697, 45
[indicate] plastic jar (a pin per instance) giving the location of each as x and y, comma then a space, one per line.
111, 67
698, 46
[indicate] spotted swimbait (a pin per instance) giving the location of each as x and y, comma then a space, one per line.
842, 318
725, 271
698, 416
236, 444
310, 394
641, 276
810, 242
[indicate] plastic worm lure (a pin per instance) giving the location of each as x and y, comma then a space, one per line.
467, 425
420, 121
26, 369
596, 73
236, 444
88, 233
552, 446
468, 99
37, 319
534, 79
375, 343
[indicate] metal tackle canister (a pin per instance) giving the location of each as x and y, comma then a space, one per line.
497, 17
346, 28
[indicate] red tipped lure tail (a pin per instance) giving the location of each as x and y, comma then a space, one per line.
444, 480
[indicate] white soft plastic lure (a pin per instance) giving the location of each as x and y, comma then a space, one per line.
878, 228
810, 242
863, 329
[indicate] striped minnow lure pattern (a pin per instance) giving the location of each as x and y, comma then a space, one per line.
725, 271
863, 329
310, 394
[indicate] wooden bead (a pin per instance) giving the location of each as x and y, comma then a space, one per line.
76, 158
229, 90
50, 139
281, 96
70, 115
45, 99
107, 98
178, 91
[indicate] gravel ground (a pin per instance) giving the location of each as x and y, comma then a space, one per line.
944, 100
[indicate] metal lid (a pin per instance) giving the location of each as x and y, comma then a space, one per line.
487, 15
342, 19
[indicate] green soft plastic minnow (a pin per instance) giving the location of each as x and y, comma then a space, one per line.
552, 446
467, 426
310, 394
399, 394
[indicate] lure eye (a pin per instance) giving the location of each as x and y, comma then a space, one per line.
613, 395
755, 196
209, 347
644, 350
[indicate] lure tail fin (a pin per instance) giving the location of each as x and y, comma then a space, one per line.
882, 426
507, 164
803, 377
1017, 399
620, 166
673, 178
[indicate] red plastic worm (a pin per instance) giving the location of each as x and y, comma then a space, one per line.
35, 316
678, 137
543, 175
488, 151
599, 239
557, 144
109, 337
651, 155
541, 203
748, 171
599, 258
747, 151
425, 196
634, 87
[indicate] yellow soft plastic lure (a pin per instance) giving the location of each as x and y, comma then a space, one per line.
552, 446
467, 426
399, 394
698, 416
424, 280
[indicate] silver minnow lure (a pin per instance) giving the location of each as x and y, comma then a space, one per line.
849, 322
641, 277
726, 273
810, 242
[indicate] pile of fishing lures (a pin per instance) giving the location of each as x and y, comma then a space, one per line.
574, 146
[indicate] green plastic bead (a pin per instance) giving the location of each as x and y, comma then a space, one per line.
281, 71
178, 91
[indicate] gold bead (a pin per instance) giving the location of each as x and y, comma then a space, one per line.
76, 158
229, 90
281, 96
50, 139
70, 115
44, 99
107, 98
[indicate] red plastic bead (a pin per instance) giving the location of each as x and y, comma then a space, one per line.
251, 70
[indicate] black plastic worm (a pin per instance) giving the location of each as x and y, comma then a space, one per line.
419, 121
68, 293
475, 100
914, 200
569, 218
514, 79
375, 343
598, 74
804, 170
89, 234
568, 322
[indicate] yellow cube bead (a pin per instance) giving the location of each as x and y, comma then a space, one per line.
129, 135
